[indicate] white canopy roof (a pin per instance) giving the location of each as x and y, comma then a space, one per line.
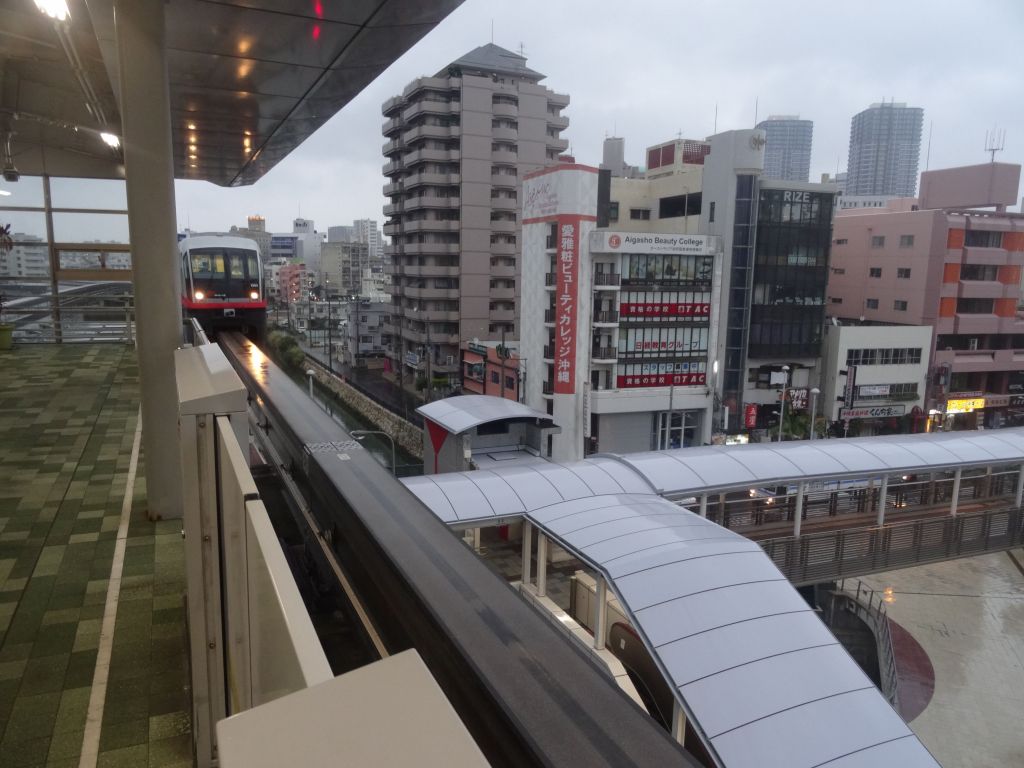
458, 414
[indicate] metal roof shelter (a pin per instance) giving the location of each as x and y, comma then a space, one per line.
463, 412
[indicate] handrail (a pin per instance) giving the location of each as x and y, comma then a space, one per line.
877, 618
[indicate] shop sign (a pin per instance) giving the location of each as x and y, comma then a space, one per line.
798, 399
851, 386
639, 242
737, 439
480, 349
875, 412
750, 415
877, 390
660, 380
1016, 382
412, 358
685, 309
965, 405
997, 401
1016, 401
567, 264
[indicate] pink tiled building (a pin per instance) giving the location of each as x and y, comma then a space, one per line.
951, 260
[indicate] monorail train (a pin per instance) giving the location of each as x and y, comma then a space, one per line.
222, 283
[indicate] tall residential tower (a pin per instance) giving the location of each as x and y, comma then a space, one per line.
885, 145
787, 152
458, 146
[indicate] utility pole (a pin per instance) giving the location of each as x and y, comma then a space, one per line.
430, 370
501, 358
330, 335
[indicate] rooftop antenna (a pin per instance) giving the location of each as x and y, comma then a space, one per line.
492, 31
995, 141
755, 111
928, 152
716, 118
522, 50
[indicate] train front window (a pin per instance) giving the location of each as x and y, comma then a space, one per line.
207, 265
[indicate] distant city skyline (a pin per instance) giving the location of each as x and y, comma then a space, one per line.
957, 73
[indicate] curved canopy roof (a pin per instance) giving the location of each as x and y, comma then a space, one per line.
458, 414
753, 666
699, 470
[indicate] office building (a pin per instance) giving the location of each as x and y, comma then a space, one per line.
342, 266
954, 263
613, 159
885, 145
256, 230
776, 243
787, 149
25, 258
367, 231
458, 145
340, 234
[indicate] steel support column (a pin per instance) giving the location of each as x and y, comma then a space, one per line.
1020, 487
798, 514
149, 171
955, 500
527, 551
542, 564
883, 492
601, 622
704, 505
678, 723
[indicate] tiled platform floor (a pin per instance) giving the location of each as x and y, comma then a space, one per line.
67, 421
968, 617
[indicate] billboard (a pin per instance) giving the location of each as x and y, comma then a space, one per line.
567, 265
642, 242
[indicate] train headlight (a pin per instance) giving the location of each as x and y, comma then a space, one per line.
200, 295
254, 295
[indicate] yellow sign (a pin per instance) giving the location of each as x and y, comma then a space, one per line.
965, 406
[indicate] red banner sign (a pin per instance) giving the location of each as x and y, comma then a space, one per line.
750, 415
566, 292
685, 309
660, 380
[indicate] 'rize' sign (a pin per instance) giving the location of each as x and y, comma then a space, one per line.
567, 266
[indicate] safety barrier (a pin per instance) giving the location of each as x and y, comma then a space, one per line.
869, 605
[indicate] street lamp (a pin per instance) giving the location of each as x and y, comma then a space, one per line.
330, 334
814, 408
782, 407
358, 434
310, 373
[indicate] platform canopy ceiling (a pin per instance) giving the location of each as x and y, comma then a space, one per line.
250, 80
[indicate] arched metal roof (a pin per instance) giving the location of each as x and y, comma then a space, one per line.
751, 663
457, 414
699, 470
472, 498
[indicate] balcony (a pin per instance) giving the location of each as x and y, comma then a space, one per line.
502, 315
390, 105
392, 208
432, 315
391, 167
550, 280
504, 156
505, 110
392, 188
504, 249
433, 179
430, 201
985, 289
507, 180
558, 145
426, 270
429, 106
502, 294
503, 225
560, 100
393, 146
430, 225
558, 121
431, 83
604, 354
391, 229
504, 204
428, 293
546, 389
431, 155
549, 353
430, 132
503, 270
429, 249
506, 134
549, 317
607, 281
606, 317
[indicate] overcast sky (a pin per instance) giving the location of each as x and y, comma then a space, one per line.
649, 70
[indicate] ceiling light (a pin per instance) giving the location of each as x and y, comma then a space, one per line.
192, 139
191, 126
55, 9
110, 140
4, 193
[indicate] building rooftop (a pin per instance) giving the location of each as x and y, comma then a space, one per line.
493, 58
462, 413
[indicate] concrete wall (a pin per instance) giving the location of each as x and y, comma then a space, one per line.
972, 186
625, 432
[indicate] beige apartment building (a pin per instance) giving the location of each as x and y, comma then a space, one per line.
458, 146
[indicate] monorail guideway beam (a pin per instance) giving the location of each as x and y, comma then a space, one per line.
526, 695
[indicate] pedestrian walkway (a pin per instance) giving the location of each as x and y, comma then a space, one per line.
967, 616
68, 416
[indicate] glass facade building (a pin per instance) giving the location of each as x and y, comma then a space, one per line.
791, 256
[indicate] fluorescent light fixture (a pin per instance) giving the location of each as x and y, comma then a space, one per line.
4, 193
55, 9
110, 140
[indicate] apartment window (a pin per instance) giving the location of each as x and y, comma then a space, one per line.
885, 356
903, 273
978, 272
875, 272
980, 238
711, 212
907, 391
510, 383
906, 241
841, 241
871, 303
878, 241
640, 214
613, 211
495, 378
974, 306
899, 305
836, 300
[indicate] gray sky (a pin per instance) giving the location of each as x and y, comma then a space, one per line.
648, 70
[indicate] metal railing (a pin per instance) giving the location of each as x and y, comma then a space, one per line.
873, 613
818, 557
91, 312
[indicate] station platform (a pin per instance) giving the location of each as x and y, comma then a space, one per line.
86, 678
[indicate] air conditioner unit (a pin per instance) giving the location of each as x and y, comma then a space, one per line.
972, 343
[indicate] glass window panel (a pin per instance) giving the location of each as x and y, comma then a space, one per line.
90, 228
99, 194
25, 193
30, 226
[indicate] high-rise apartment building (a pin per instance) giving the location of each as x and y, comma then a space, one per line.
787, 151
367, 231
458, 145
885, 145
340, 234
